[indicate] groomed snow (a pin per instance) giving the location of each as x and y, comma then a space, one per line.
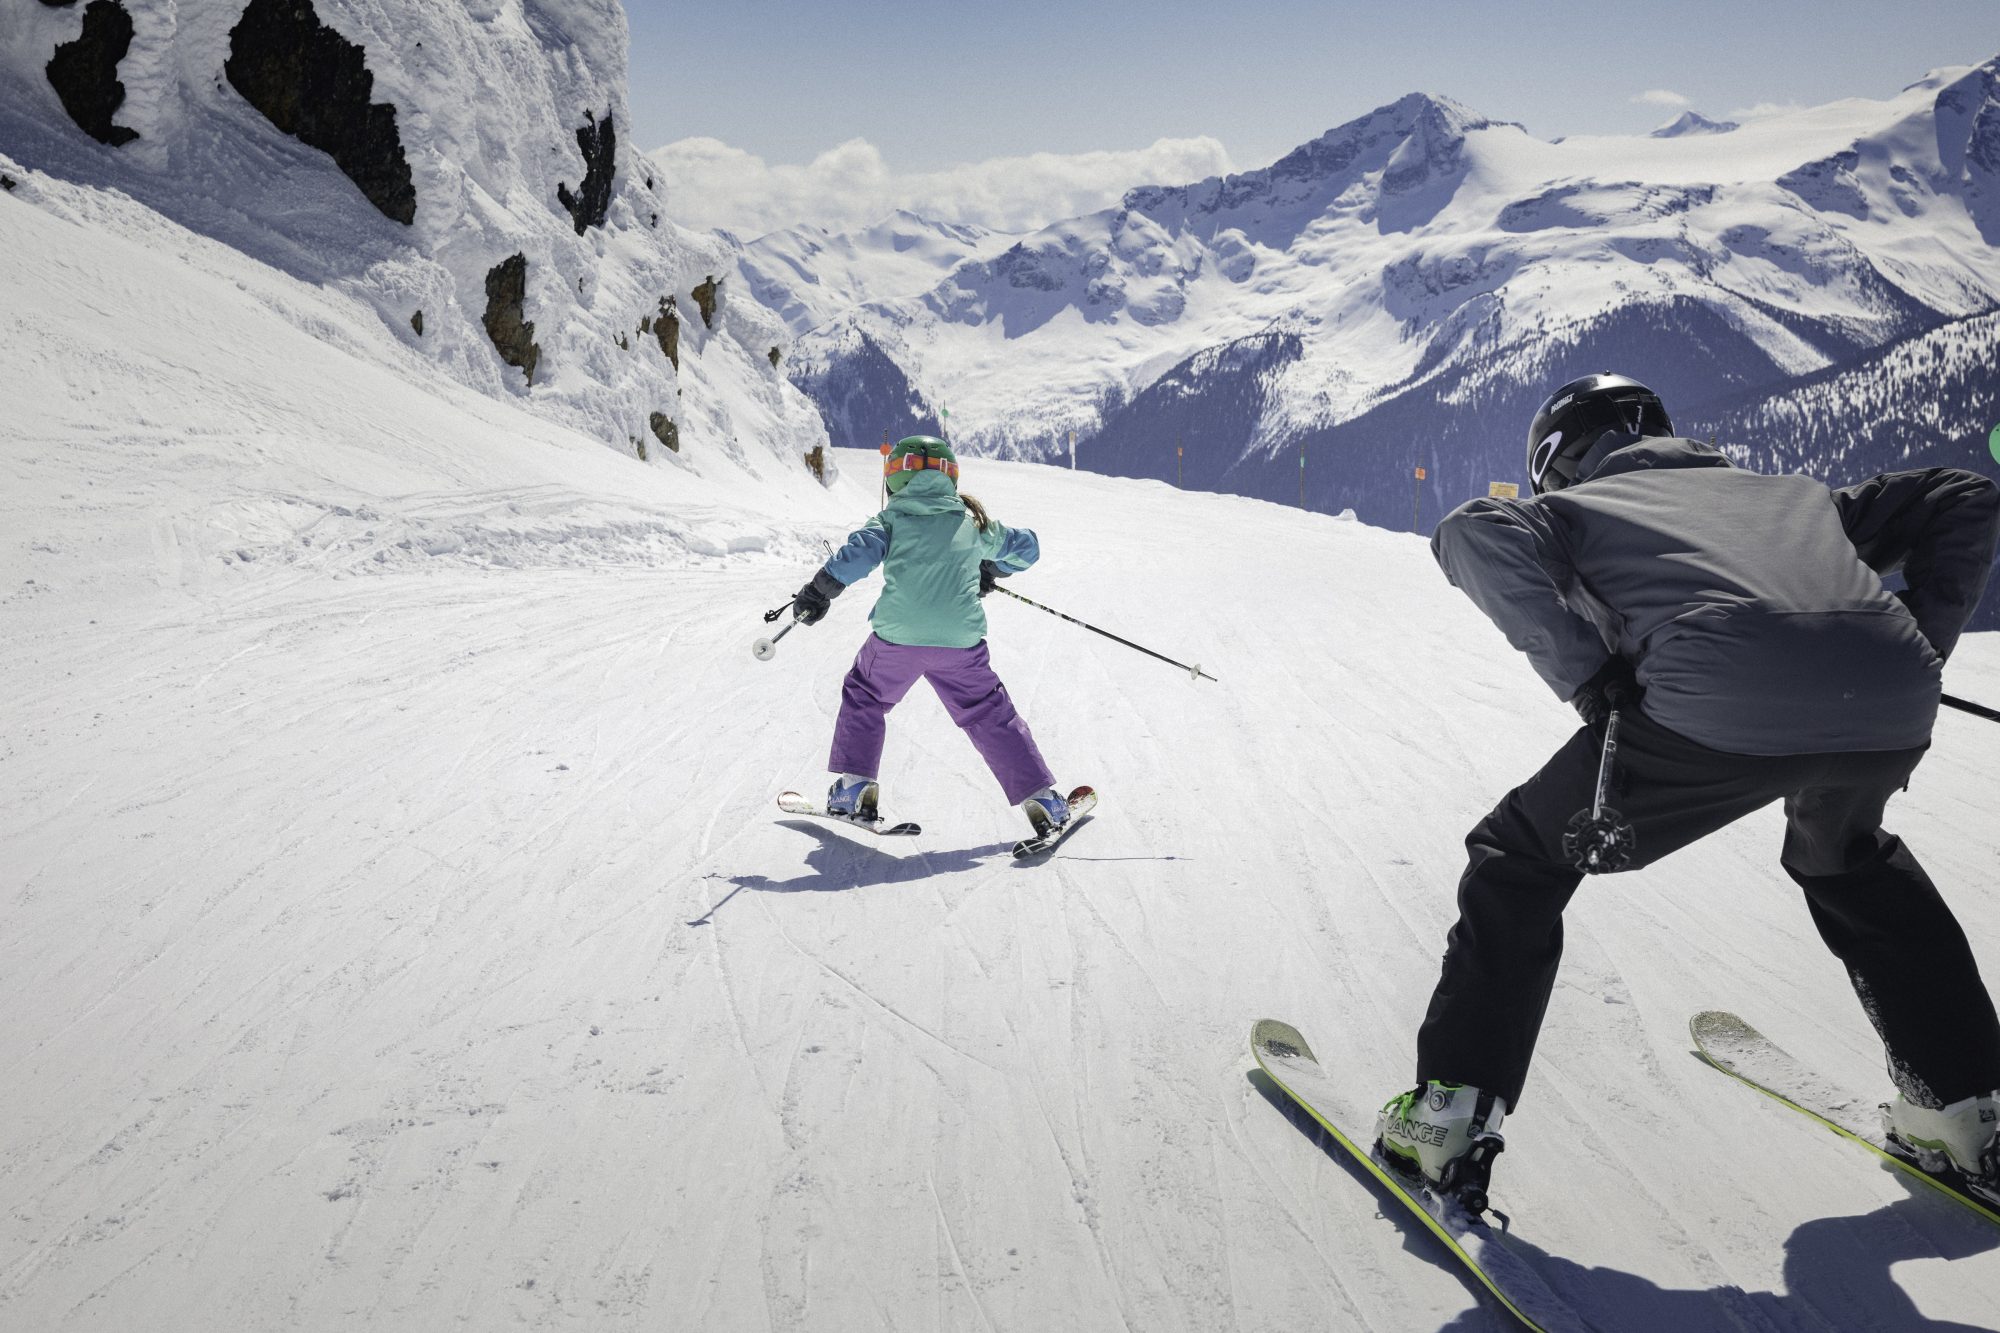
399, 931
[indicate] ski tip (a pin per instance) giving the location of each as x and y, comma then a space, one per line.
1269, 1036
1718, 1025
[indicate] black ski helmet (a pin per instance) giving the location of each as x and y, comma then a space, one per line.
1578, 415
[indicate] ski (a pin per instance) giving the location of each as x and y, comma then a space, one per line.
1282, 1053
794, 804
1748, 1056
1081, 802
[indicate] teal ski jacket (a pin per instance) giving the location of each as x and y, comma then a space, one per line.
930, 550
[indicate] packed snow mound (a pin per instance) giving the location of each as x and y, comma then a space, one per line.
461, 169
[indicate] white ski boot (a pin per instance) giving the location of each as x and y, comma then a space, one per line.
1047, 811
1963, 1137
854, 796
1447, 1133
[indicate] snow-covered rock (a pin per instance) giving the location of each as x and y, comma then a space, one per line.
459, 167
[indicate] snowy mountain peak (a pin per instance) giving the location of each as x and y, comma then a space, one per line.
1693, 122
1416, 141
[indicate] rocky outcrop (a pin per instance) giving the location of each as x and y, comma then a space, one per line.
667, 328
506, 297
776, 356
314, 84
707, 298
84, 72
599, 142
417, 323
666, 431
816, 461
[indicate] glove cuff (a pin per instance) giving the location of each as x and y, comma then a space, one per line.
827, 586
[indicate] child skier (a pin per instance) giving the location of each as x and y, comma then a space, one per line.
1738, 624
939, 553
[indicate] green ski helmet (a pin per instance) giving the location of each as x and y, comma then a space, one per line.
912, 455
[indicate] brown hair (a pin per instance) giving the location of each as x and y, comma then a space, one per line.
977, 510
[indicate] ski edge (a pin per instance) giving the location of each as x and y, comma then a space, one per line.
792, 803
1267, 1029
1720, 1026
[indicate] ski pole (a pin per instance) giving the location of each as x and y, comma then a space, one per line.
1195, 672
766, 649
1967, 706
1600, 841
1604, 760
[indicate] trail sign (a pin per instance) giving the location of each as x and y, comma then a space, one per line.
1503, 490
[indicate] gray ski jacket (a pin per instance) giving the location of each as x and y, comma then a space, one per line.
1750, 607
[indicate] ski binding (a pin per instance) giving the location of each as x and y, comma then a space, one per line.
794, 804
1081, 801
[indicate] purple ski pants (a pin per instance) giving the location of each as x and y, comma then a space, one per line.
883, 673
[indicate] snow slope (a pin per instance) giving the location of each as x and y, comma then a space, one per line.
399, 931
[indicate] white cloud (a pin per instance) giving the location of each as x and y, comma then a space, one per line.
1662, 97
1765, 110
711, 184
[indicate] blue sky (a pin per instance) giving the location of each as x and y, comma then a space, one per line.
940, 83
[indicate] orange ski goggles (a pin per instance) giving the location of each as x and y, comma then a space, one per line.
915, 462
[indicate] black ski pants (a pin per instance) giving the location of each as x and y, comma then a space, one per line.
1874, 906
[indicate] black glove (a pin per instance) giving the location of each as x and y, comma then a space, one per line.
816, 597
989, 577
1613, 687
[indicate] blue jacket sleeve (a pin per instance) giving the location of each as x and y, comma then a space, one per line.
861, 552
1012, 549
1508, 557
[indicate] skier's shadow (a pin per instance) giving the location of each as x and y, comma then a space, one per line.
1837, 1269
838, 863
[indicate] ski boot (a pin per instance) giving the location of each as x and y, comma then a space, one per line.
1047, 811
1962, 1139
853, 796
1444, 1135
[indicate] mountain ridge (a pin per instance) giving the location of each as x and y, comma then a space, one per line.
1438, 269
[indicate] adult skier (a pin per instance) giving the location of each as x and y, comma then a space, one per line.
939, 552
1739, 625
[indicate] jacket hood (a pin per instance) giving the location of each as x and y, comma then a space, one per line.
927, 493
1618, 453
